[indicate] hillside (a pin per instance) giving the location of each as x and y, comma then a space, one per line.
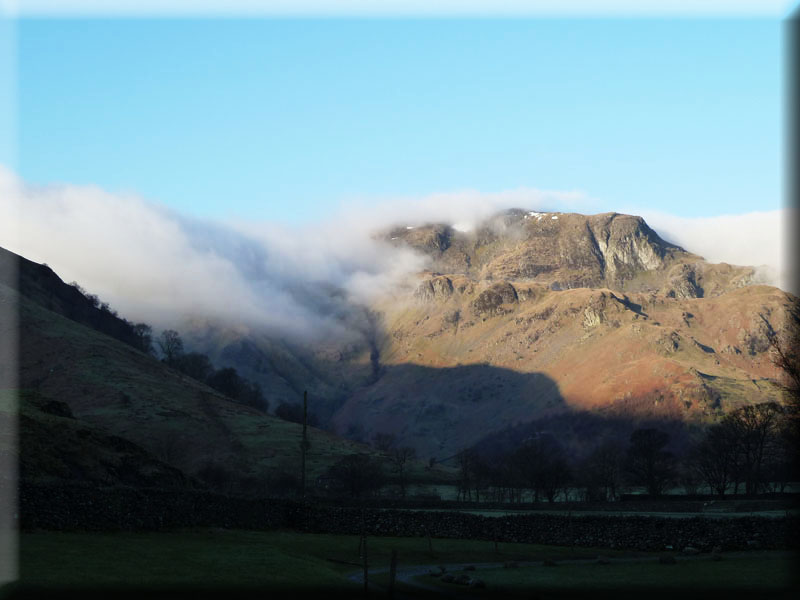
460, 366
97, 409
531, 317
564, 314
55, 446
569, 250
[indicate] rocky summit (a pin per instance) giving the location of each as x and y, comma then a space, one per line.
566, 251
570, 321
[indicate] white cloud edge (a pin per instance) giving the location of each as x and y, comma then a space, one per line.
758, 239
158, 266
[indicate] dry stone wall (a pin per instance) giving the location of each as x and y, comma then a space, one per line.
85, 508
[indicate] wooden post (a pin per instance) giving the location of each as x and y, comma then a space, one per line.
570, 529
364, 547
392, 573
303, 445
366, 569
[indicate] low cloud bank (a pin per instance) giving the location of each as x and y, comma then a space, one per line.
155, 265
758, 239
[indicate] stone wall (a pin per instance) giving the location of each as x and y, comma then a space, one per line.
86, 508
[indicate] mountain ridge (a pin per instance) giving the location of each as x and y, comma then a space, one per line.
567, 250
586, 312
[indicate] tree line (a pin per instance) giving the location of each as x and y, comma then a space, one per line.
361, 475
196, 365
751, 450
169, 348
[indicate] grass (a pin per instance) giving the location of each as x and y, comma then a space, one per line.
762, 574
240, 558
287, 560
111, 386
221, 558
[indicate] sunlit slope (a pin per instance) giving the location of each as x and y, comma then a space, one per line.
571, 250
461, 357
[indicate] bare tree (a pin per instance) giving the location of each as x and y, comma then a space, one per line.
464, 475
398, 457
143, 335
171, 345
601, 472
716, 457
757, 429
195, 365
785, 356
541, 462
473, 475
648, 463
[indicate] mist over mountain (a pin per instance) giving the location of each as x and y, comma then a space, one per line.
438, 322
159, 266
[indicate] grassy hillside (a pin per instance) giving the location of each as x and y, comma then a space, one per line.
55, 446
462, 358
112, 389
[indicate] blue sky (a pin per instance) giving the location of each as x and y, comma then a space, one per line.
284, 120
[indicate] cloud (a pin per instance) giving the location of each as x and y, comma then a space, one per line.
756, 239
155, 265
464, 208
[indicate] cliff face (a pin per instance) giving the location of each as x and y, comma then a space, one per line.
566, 251
535, 315
563, 319
531, 316
494, 354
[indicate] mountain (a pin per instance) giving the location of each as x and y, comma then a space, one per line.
538, 316
566, 250
94, 408
584, 326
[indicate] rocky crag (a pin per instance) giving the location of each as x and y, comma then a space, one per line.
532, 315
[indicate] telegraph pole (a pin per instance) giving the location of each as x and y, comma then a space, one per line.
303, 445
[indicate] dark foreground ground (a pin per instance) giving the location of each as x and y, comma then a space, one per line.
219, 563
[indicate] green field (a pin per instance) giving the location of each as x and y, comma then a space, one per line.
288, 560
760, 575
226, 557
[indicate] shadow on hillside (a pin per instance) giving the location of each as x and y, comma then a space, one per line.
581, 431
442, 410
